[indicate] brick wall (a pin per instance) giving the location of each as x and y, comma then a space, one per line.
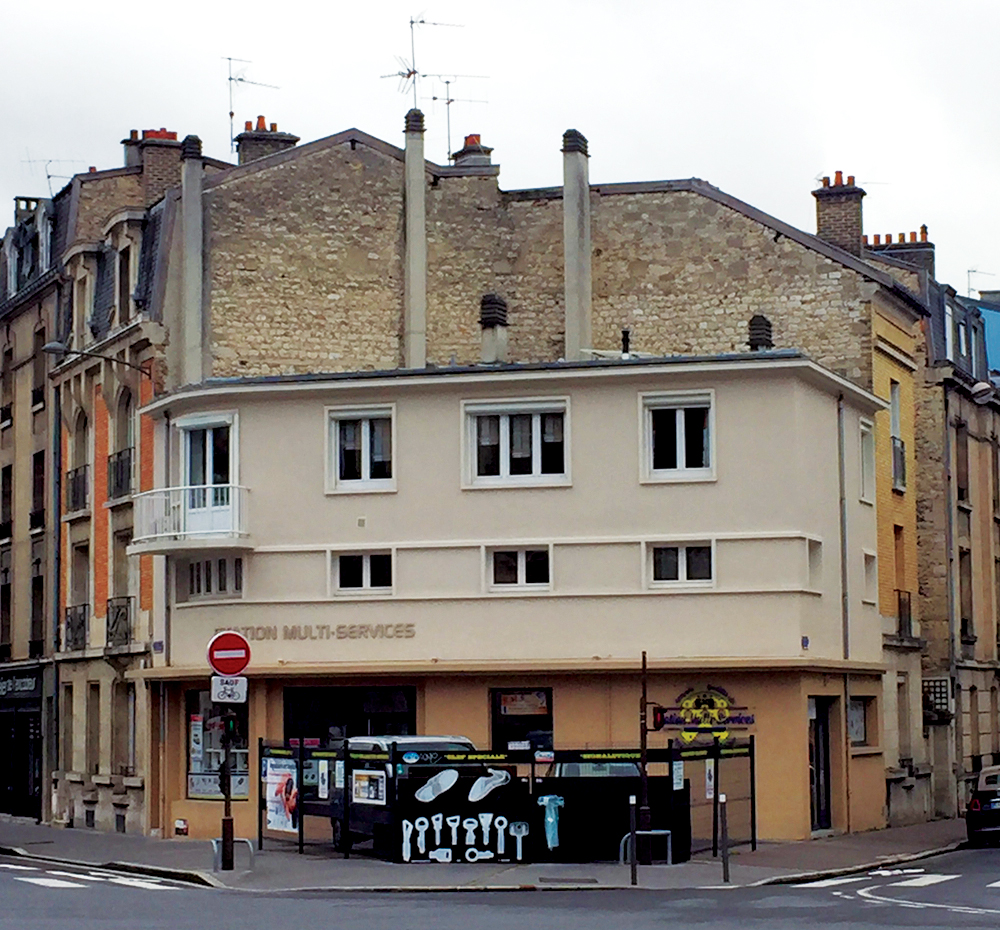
161, 169
99, 198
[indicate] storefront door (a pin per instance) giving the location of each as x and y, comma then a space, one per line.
819, 763
21, 761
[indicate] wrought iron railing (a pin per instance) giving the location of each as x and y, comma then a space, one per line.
904, 618
77, 624
898, 464
198, 511
120, 474
119, 621
77, 489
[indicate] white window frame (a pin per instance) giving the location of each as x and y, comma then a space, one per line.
682, 582
194, 421
471, 409
366, 589
215, 595
663, 400
366, 413
866, 475
521, 586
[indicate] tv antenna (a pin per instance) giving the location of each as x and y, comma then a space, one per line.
968, 278
51, 161
239, 79
448, 100
408, 73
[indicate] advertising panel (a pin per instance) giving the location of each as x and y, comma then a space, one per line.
282, 795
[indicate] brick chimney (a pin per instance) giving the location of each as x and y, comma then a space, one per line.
473, 154
915, 249
159, 154
260, 141
838, 213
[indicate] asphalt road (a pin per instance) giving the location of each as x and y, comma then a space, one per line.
948, 892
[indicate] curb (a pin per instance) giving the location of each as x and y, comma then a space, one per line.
189, 876
799, 877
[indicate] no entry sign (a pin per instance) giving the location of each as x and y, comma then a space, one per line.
228, 653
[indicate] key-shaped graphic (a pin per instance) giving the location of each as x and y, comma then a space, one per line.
470, 825
519, 830
437, 822
407, 833
453, 822
422, 823
484, 821
501, 824
440, 855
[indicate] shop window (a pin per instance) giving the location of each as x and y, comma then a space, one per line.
681, 564
677, 437
516, 443
358, 572
521, 718
860, 721
519, 568
361, 449
215, 577
205, 750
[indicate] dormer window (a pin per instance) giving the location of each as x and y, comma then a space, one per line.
124, 286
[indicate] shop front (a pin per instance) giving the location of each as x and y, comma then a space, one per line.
21, 741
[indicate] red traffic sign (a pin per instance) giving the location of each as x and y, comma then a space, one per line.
228, 653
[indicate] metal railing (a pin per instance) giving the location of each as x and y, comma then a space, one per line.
77, 489
194, 510
119, 621
77, 623
120, 474
904, 619
898, 464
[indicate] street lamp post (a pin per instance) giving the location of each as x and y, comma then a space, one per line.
60, 351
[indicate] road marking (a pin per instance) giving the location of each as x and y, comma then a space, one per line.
20, 868
922, 881
830, 882
48, 882
89, 878
139, 883
869, 895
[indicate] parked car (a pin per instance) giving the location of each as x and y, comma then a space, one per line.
982, 815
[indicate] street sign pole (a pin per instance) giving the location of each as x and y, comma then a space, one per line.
645, 820
227, 794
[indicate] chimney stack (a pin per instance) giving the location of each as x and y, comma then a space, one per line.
493, 319
473, 154
913, 250
158, 153
576, 244
838, 213
259, 141
415, 271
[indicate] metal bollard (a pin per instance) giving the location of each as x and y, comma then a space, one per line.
724, 829
632, 849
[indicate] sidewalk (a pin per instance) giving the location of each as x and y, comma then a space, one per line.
280, 868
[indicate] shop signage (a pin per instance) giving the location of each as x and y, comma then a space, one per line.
21, 685
325, 631
706, 713
524, 703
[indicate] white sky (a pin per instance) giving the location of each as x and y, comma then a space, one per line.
759, 98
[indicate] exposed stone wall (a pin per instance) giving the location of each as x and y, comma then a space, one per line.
909, 279
101, 197
305, 265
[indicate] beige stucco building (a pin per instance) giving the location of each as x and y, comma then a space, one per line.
515, 537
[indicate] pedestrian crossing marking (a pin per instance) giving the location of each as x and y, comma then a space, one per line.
830, 882
922, 881
89, 878
140, 883
993, 885
20, 868
48, 882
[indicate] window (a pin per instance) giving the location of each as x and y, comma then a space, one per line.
369, 571
361, 443
211, 578
6, 501
898, 446
38, 371
204, 739
867, 462
212, 500
871, 579
962, 462
686, 563
522, 719
517, 443
949, 332
858, 714
677, 437
7, 388
519, 568
124, 286
963, 347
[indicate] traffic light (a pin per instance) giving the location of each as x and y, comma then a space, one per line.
230, 728
659, 717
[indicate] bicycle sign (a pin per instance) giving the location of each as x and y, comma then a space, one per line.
229, 690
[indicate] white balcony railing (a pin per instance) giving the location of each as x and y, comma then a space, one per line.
194, 511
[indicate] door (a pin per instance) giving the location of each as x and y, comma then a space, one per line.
819, 763
208, 500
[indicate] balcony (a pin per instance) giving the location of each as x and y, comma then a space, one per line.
77, 489
120, 474
38, 397
904, 619
898, 464
119, 621
197, 516
77, 622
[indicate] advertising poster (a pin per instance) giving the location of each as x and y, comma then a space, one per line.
324, 779
282, 795
196, 730
368, 787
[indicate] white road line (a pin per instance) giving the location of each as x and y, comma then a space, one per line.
869, 895
20, 868
993, 885
88, 878
922, 881
48, 882
139, 883
830, 882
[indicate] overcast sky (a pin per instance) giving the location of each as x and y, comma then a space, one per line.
759, 98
